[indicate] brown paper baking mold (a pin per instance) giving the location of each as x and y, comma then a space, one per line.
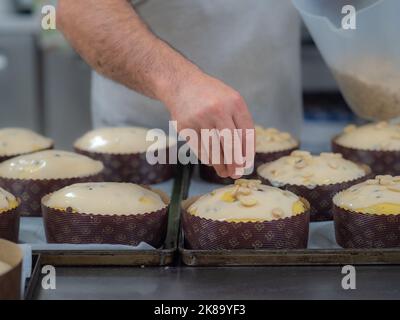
320, 197
380, 162
209, 174
31, 191
132, 167
9, 224
206, 234
10, 282
360, 230
82, 228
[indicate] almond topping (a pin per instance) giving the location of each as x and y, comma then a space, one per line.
248, 201
244, 190
277, 213
300, 164
333, 165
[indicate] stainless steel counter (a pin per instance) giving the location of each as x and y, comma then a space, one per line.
373, 282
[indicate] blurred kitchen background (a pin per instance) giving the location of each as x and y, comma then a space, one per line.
45, 85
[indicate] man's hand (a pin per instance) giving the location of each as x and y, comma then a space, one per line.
112, 38
203, 102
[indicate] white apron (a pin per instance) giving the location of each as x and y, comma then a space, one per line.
252, 45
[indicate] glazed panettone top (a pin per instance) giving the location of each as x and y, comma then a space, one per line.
271, 140
7, 201
120, 140
4, 267
376, 196
50, 164
105, 198
247, 201
380, 136
15, 141
302, 168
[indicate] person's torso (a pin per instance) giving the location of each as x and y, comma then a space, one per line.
252, 46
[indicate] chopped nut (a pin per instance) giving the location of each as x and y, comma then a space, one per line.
333, 165
248, 201
235, 191
385, 180
277, 213
254, 184
300, 164
244, 191
350, 128
241, 182
274, 173
371, 181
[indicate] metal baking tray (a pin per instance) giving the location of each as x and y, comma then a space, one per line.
322, 248
123, 257
32, 282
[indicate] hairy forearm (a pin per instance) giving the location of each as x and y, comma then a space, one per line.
111, 37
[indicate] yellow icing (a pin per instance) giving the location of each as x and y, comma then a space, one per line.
119, 140
381, 209
50, 164
228, 197
247, 201
7, 201
14, 141
302, 168
105, 198
375, 136
377, 196
298, 207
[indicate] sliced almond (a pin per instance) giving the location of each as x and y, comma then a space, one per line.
235, 191
248, 201
385, 180
244, 191
254, 184
333, 165
241, 182
300, 164
277, 213
274, 172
